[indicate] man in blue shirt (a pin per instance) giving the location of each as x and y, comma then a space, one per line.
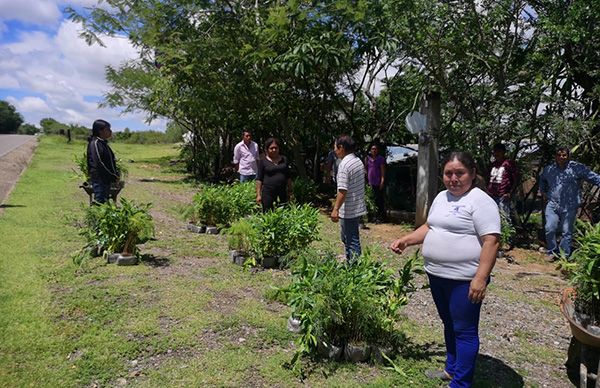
560, 184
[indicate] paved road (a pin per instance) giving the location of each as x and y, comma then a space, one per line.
10, 142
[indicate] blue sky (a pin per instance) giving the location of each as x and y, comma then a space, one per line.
46, 70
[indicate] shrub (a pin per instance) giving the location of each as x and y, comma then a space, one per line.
304, 191
111, 228
507, 230
340, 303
285, 229
220, 205
584, 271
241, 235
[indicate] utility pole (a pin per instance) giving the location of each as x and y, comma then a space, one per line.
427, 167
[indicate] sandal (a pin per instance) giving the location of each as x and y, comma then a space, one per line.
438, 374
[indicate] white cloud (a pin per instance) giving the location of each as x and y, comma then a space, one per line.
45, 12
57, 75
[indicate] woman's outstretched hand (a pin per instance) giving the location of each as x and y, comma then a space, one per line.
398, 245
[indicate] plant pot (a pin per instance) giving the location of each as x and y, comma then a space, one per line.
329, 350
239, 260
126, 259
377, 353
196, 228
567, 307
270, 261
212, 230
294, 325
112, 258
357, 352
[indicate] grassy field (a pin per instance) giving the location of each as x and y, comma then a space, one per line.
185, 317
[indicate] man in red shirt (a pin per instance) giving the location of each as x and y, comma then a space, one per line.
503, 179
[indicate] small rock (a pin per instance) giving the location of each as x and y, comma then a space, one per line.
134, 362
135, 373
241, 340
121, 382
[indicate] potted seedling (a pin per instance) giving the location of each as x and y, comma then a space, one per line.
117, 230
240, 237
580, 304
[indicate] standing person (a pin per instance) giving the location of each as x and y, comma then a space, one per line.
376, 178
245, 156
460, 241
101, 163
503, 179
273, 182
560, 185
350, 199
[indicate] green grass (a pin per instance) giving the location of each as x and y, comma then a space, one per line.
184, 317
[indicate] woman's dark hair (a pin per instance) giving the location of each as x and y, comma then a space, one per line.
466, 159
270, 141
98, 126
346, 142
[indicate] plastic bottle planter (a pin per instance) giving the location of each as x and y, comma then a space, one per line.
212, 230
237, 257
270, 261
293, 325
196, 228
122, 259
329, 350
357, 352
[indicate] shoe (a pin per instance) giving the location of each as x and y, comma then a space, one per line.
438, 374
550, 258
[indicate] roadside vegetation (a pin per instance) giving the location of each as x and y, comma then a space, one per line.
188, 316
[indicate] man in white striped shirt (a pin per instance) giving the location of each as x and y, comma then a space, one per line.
350, 199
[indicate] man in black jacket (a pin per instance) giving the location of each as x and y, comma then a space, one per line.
102, 166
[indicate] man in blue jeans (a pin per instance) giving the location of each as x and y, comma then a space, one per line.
560, 184
349, 204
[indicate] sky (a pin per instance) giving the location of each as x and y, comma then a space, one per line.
47, 70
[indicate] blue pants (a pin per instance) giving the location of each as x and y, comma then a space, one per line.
461, 327
350, 237
101, 191
562, 218
247, 178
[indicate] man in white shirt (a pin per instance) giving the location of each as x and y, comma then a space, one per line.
245, 155
350, 199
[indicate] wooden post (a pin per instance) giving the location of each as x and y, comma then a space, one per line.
427, 168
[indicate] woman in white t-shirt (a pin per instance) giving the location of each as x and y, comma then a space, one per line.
460, 241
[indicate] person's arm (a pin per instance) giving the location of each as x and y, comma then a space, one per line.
415, 237
236, 158
339, 201
487, 260
590, 177
258, 191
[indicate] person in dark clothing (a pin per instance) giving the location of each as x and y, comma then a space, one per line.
102, 166
273, 182
375, 169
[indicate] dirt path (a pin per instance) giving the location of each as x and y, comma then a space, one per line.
12, 165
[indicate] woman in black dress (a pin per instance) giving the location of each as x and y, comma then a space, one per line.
273, 182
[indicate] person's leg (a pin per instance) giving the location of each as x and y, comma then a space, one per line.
550, 228
350, 237
567, 225
465, 318
379, 202
101, 191
440, 291
267, 199
247, 178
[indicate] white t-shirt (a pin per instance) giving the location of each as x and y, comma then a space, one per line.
452, 245
351, 177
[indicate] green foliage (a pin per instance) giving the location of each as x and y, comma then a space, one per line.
370, 201
285, 230
115, 229
141, 137
584, 273
81, 170
338, 302
27, 129
10, 119
507, 230
241, 235
304, 190
220, 205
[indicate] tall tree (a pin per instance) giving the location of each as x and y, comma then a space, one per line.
10, 119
